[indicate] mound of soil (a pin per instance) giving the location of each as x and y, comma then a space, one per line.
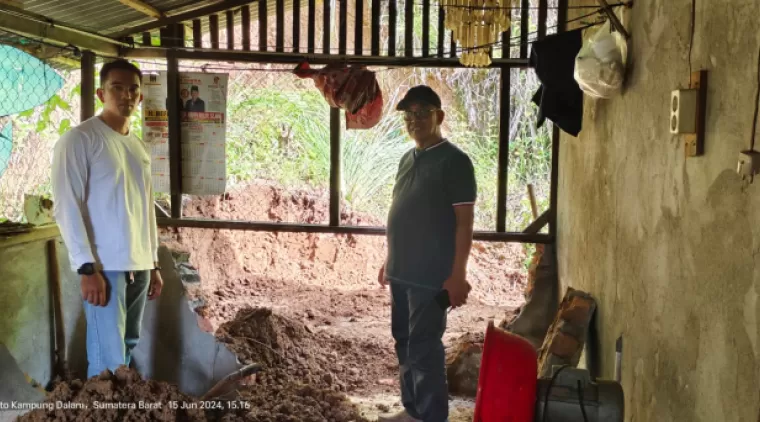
293, 354
116, 397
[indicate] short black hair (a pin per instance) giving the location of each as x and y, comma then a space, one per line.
195, 88
118, 64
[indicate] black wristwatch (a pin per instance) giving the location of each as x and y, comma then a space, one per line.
86, 269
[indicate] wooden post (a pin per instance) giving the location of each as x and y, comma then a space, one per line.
197, 34
375, 36
543, 13
561, 27
230, 30
409, 28
342, 26
173, 109
296, 26
213, 24
326, 27
425, 28
392, 16
359, 28
147, 39
441, 31
262, 25
524, 28
335, 166
312, 27
280, 26
505, 101
88, 86
245, 16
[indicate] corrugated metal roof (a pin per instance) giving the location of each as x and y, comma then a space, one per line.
105, 16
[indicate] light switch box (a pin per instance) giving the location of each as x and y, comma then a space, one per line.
683, 111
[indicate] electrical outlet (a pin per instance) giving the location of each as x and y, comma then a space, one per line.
749, 165
683, 111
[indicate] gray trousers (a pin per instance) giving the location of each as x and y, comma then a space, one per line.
418, 324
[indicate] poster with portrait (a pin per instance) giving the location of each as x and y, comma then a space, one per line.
203, 109
156, 128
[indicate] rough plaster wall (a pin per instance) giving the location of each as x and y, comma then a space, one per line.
26, 309
671, 246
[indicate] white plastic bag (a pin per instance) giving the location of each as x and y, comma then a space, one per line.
600, 65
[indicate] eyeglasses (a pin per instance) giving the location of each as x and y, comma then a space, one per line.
418, 115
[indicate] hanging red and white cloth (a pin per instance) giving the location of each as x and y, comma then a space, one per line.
351, 88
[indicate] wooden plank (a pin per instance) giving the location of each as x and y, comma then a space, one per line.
200, 12
296, 26
147, 39
213, 24
543, 15
54, 282
524, 28
245, 16
326, 27
554, 176
335, 167
292, 58
505, 101
279, 26
262, 25
35, 234
409, 28
214, 224
342, 26
311, 27
425, 28
538, 224
392, 21
175, 142
87, 95
143, 8
230, 30
197, 33
441, 31
375, 28
359, 27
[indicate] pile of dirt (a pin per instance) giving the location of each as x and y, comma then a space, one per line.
119, 396
292, 353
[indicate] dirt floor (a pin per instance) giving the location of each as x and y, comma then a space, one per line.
307, 307
322, 291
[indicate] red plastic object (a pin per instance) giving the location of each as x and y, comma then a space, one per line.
508, 379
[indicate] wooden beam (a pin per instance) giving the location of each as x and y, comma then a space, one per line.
245, 16
441, 31
392, 16
230, 30
425, 28
203, 223
556, 135
342, 26
326, 27
296, 26
143, 8
197, 33
409, 28
312, 27
280, 26
524, 28
375, 28
263, 25
220, 6
60, 35
213, 25
294, 58
175, 141
505, 101
87, 93
538, 224
543, 14
359, 28
335, 167
35, 234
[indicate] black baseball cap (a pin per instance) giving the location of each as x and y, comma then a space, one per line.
420, 94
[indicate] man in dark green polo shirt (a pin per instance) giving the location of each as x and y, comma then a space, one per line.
429, 237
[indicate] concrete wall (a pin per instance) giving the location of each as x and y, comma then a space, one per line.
670, 246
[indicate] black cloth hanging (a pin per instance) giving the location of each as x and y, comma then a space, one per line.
559, 98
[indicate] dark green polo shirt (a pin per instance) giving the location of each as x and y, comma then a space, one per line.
421, 222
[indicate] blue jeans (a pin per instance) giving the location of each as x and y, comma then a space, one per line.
418, 324
114, 330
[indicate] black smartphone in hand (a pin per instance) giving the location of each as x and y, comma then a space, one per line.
442, 298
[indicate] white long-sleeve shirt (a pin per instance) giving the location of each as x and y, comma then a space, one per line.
103, 198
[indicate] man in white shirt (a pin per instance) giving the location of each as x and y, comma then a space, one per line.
103, 200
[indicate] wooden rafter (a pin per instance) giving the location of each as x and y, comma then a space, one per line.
144, 8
